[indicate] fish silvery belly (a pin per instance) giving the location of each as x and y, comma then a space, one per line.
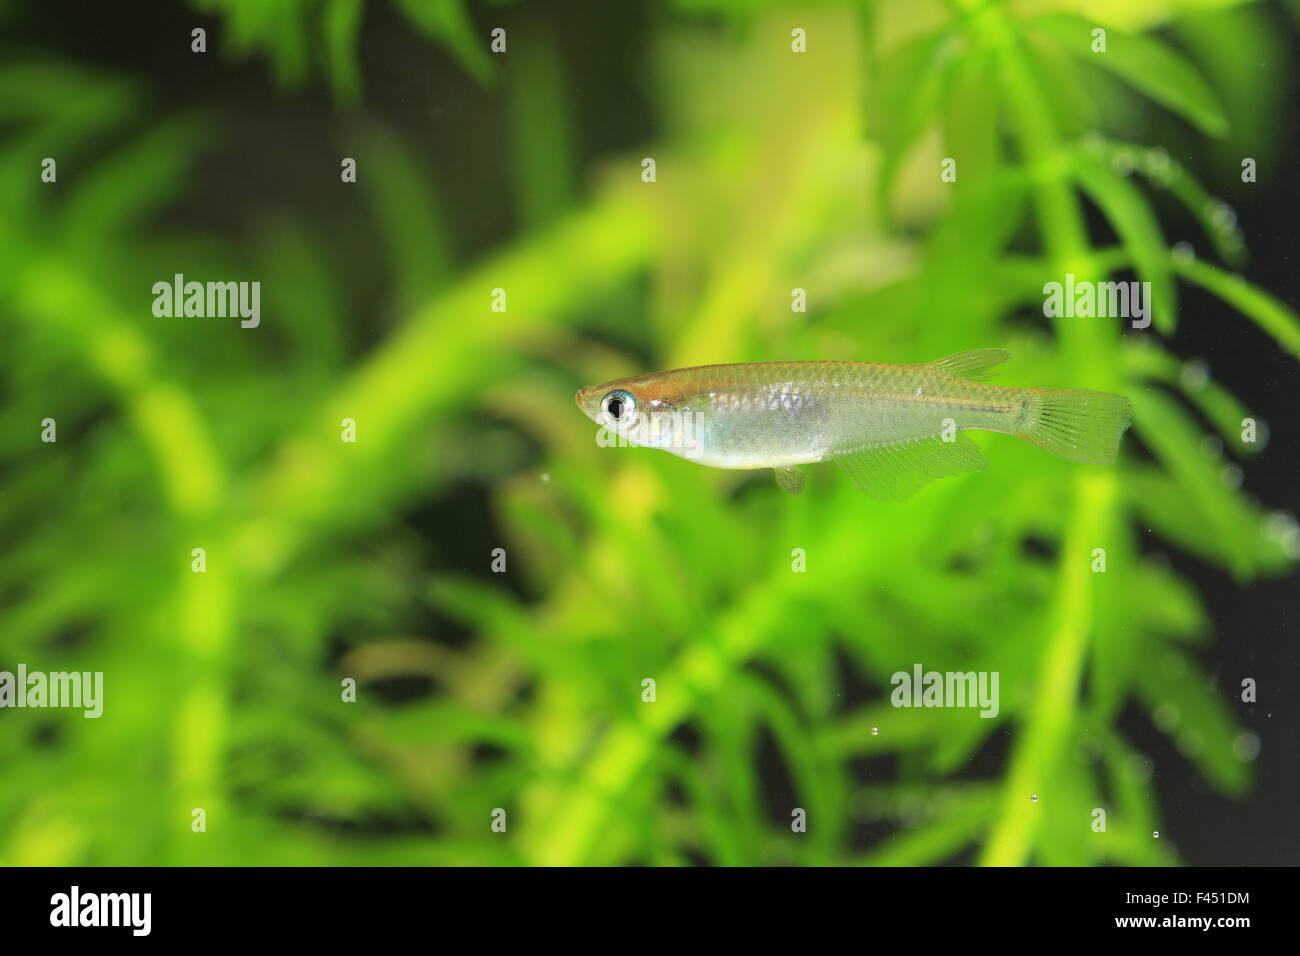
892, 428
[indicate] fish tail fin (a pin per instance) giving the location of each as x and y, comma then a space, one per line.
1076, 424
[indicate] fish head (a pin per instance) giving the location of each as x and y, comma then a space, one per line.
642, 411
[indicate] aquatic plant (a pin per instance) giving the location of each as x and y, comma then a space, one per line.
756, 615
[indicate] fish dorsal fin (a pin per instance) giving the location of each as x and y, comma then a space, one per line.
898, 470
973, 365
790, 478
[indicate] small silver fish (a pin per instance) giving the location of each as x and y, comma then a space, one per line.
892, 428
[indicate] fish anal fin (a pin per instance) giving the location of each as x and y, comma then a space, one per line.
790, 478
898, 470
974, 365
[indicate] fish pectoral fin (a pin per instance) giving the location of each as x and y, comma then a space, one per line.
898, 470
790, 478
973, 365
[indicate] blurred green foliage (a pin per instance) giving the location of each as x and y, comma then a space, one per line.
775, 170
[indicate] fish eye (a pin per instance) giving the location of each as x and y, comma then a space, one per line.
618, 405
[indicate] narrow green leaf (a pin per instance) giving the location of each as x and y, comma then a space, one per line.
1215, 402
1147, 64
448, 22
1268, 312
1169, 432
1164, 172
914, 78
409, 216
1184, 704
342, 23
1128, 212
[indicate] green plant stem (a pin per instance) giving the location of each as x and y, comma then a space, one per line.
193, 484
1050, 714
